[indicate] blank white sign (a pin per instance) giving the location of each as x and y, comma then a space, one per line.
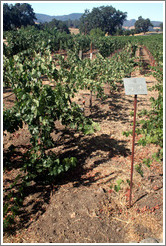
135, 86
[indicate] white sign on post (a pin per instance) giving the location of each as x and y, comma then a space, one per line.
135, 86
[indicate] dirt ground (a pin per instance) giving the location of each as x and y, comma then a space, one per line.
83, 206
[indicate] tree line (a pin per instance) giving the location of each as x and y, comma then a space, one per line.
15, 16
22, 14
104, 20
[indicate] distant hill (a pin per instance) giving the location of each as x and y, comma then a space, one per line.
41, 18
129, 23
156, 23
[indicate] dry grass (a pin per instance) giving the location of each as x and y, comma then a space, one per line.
74, 30
139, 223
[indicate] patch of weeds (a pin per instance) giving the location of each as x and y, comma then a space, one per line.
147, 162
128, 182
138, 168
118, 186
127, 133
132, 113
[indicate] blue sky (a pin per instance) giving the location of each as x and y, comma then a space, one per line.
146, 9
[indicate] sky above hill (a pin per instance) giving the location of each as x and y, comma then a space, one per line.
152, 10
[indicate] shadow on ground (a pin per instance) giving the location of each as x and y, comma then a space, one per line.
37, 196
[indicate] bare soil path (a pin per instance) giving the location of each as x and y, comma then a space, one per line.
83, 206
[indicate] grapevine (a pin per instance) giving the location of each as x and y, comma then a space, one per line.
29, 56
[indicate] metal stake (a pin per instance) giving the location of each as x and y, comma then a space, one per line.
90, 91
133, 143
91, 47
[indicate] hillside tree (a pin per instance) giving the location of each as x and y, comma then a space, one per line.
7, 17
15, 16
107, 18
72, 23
142, 25
60, 25
161, 26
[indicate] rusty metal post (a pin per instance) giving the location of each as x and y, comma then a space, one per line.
133, 144
90, 101
91, 47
